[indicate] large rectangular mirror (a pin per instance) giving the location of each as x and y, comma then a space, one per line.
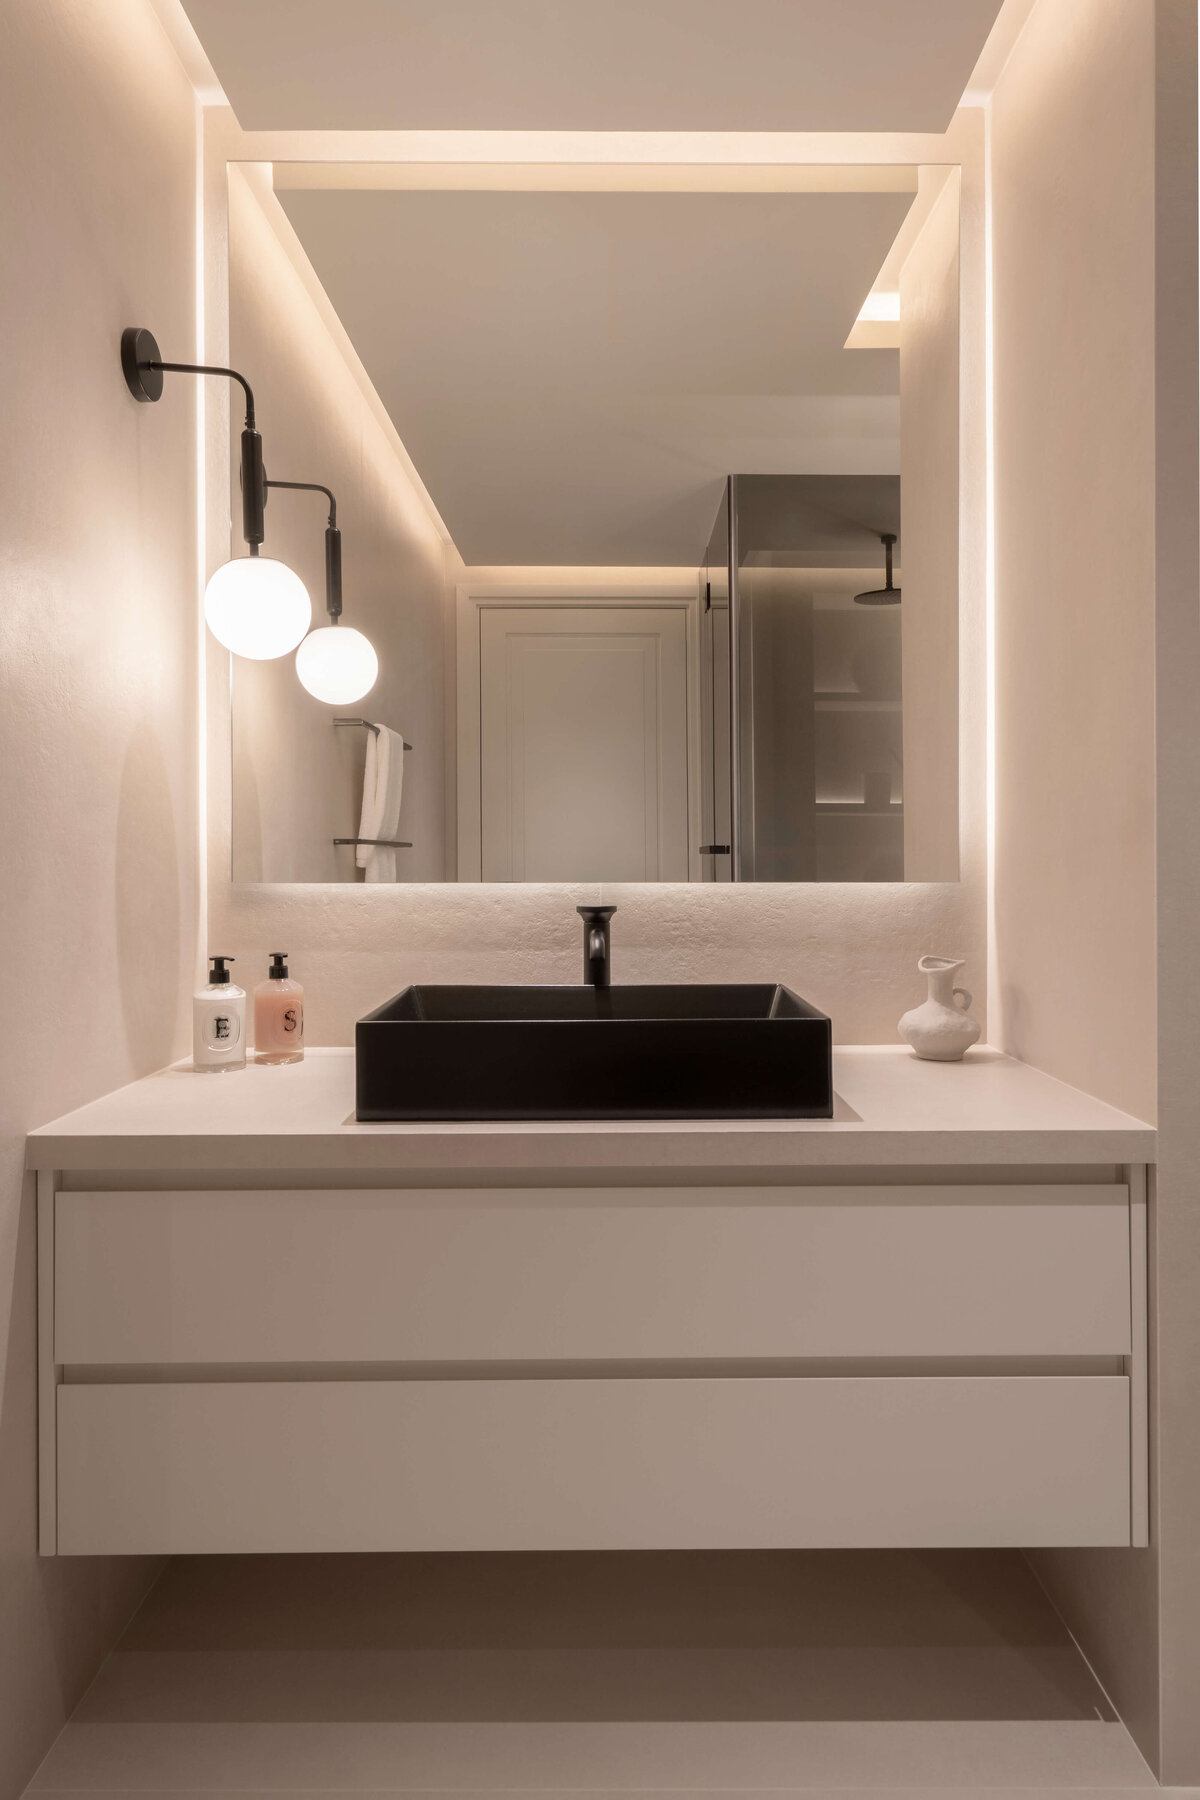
698, 457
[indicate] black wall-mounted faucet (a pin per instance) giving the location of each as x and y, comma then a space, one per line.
597, 946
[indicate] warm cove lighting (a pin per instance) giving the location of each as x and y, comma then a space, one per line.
337, 664
257, 607
880, 309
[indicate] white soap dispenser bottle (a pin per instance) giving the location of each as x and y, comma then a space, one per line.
219, 1022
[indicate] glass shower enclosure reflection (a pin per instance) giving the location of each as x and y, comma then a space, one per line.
716, 774
802, 720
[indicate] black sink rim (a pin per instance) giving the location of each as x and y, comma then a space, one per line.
770, 993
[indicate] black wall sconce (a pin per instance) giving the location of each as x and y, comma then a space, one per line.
336, 663
887, 595
254, 605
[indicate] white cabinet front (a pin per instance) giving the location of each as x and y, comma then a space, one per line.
367, 1369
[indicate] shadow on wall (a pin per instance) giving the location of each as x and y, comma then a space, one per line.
1017, 1018
147, 901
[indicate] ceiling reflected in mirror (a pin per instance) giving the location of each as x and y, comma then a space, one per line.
575, 374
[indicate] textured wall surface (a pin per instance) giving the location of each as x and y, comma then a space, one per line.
1177, 581
98, 731
852, 950
1074, 260
931, 415
1073, 222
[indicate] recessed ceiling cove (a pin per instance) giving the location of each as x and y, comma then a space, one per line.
594, 65
573, 374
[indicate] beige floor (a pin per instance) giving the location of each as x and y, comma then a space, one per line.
807, 1673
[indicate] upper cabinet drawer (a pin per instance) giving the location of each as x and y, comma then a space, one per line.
591, 1274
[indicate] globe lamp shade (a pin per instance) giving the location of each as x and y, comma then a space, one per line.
337, 664
257, 607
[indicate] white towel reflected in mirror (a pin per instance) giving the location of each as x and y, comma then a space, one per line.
383, 790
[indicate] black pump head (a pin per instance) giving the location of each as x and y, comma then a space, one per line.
278, 969
218, 975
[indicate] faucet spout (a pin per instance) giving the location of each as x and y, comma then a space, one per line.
597, 957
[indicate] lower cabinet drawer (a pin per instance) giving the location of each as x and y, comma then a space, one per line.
593, 1464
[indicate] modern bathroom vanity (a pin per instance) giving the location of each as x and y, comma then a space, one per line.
266, 1327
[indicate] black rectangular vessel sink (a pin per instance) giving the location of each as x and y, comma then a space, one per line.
754, 1051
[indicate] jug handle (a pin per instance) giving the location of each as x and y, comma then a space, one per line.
962, 999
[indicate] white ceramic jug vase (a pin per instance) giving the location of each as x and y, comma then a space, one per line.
941, 1030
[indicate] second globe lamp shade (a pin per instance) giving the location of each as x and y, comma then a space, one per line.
337, 664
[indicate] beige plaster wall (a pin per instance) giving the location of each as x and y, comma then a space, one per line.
1073, 220
930, 430
1098, 669
852, 948
98, 730
299, 782
1176, 1239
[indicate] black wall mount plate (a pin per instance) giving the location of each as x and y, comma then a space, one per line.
139, 348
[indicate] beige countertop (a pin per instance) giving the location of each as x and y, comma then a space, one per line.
891, 1110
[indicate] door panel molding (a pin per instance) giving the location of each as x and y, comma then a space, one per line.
473, 600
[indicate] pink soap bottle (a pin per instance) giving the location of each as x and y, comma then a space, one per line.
278, 1015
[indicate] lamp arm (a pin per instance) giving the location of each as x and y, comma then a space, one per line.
141, 356
333, 545
173, 368
311, 487
143, 367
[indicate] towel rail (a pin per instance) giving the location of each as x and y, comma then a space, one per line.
380, 843
371, 728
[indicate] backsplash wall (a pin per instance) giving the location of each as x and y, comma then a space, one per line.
851, 950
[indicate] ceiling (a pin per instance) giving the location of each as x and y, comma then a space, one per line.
574, 374
819, 522
594, 65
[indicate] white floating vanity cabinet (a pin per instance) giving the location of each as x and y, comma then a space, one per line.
266, 1328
